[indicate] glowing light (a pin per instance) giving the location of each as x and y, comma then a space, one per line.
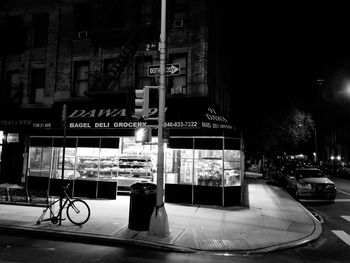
2, 137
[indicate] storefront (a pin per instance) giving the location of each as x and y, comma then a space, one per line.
94, 148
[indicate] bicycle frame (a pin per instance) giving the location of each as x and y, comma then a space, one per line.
58, 217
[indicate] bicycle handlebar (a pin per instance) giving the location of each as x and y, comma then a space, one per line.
66, 187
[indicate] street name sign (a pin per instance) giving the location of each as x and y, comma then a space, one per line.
170, 69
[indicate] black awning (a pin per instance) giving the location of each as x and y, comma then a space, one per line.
14, 118
195, 112
180, 114
184, 116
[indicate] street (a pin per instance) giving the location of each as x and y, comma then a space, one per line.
332, 245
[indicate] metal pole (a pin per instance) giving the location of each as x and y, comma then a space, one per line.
316, 157
64, 123
159, 225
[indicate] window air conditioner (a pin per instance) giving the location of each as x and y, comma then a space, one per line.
178, 23
82, 34
178, 90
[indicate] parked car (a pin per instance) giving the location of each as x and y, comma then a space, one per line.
310, 183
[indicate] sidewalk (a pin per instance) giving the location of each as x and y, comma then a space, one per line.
270, 220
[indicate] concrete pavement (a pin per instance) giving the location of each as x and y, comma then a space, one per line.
270, 220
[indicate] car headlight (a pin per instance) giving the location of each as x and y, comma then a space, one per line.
330, 186
304, 186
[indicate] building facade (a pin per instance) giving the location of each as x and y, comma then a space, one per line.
69, 71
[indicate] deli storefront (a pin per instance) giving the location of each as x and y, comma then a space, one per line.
93, 147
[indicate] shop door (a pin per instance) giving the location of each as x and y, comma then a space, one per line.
11, 163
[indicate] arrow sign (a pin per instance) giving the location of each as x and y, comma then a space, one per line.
170, 69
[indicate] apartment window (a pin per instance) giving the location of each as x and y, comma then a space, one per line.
13, 35
37, 85
114, 14
12, 83
81, 77
82, 16
177, 84
179, 11
141, 77
40, 30
146, 13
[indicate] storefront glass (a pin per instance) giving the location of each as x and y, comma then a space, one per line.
88, 163
40, 159
232, 167
70, 171
109, 164
203, 167
129, 162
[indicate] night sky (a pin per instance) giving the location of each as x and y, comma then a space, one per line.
282, 49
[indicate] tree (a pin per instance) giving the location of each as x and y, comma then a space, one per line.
286, 131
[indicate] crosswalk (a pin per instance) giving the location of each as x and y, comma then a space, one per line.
345, 237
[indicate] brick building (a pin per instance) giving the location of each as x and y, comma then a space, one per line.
88, 57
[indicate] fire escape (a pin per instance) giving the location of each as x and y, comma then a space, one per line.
101, 81
126, 24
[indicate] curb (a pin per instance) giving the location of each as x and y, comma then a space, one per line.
91, 239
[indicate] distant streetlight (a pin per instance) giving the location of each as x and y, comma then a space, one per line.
347, 88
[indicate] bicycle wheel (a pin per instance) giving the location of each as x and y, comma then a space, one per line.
78, 212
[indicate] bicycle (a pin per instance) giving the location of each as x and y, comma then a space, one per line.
78, 211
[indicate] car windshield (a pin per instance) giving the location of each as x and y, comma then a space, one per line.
309, 174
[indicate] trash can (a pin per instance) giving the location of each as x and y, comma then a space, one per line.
142, 203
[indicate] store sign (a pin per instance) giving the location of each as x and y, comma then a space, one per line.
15, 122
112, 118
12, 137
109, 118
106, 125
215, 120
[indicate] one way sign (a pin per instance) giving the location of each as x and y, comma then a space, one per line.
170, 69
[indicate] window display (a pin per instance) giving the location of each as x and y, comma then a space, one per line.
40, 161
70, 171
232, 167
128, 164
179, 166
208, 167
88, 163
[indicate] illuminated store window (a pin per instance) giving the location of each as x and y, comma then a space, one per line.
179, 166
88, 163
108, 163
208, 167
232, 167
40, 161
70, 171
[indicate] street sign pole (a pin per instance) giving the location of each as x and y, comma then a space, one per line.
159, 225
